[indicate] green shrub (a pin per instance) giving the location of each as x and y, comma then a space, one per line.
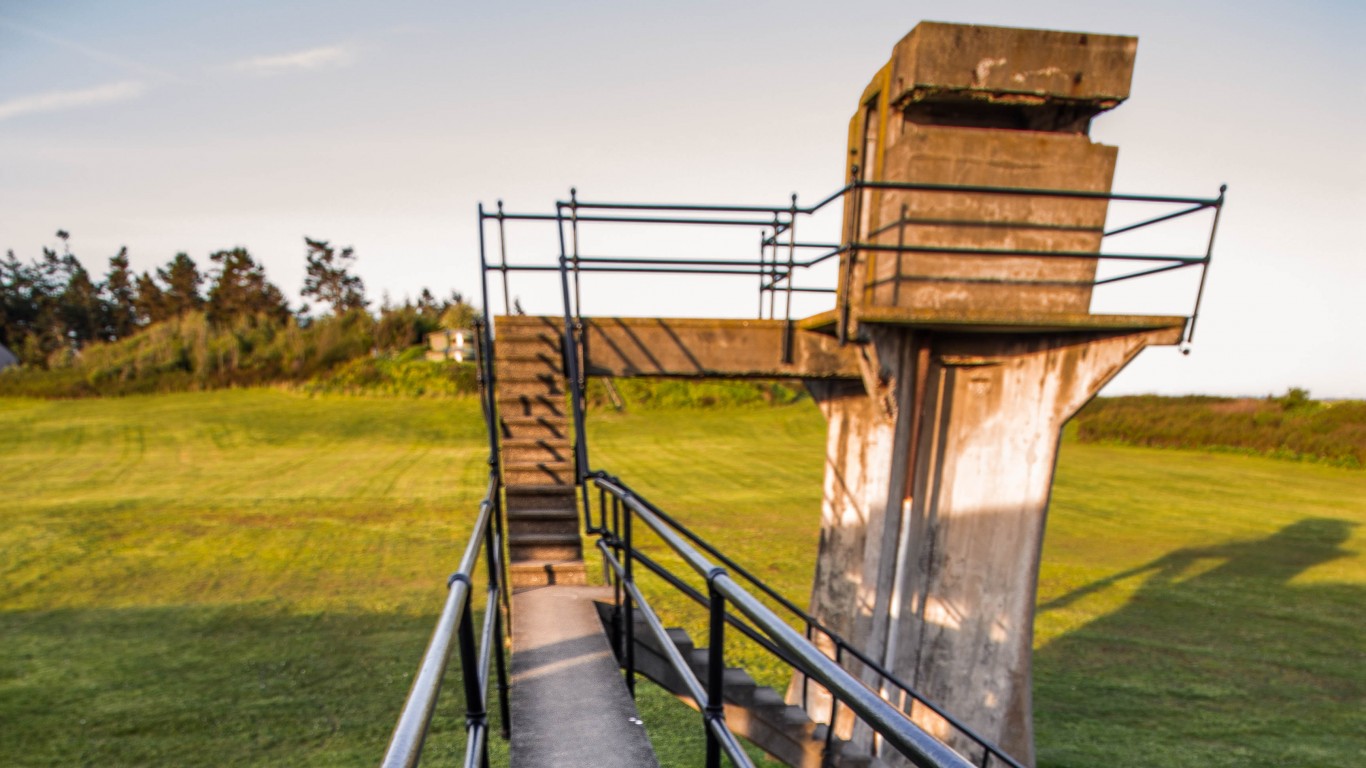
405, 375
649, 394
190, 353
1291, 426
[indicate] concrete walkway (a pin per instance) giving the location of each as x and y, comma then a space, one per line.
570, 707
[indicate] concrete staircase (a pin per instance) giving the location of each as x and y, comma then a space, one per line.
754, 711
537, 458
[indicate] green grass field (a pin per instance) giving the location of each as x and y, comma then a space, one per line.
249, 577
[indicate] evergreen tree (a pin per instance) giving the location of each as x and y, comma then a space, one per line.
329, 280
121, 298
82, 311
19, 301
182, 280
32, 328
150, 301
240, 290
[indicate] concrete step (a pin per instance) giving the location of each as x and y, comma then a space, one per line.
534, 496
538, 473
555, 546
514, 340
545, 553
515, 354
520, 450
535, 427
537, 522
543, 573
519, 361
758, 713
543, 513
530, 537
534, 384
527, 404
570, 708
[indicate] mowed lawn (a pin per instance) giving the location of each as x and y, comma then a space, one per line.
226, 578
249, 577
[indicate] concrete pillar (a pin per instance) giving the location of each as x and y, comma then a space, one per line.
939, 467
929, 555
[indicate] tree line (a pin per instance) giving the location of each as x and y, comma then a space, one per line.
52, 308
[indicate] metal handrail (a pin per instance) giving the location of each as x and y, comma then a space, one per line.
454, 624
811, 623
891, 723
777, 275
709, 697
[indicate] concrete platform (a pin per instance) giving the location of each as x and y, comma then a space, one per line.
985, 322
570, 707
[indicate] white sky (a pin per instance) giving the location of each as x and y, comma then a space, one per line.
186, 125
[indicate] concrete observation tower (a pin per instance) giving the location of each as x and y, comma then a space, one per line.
940, 459
961, 340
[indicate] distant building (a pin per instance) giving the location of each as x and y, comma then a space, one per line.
7, 358
447, 344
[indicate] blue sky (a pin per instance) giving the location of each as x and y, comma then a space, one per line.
195, 126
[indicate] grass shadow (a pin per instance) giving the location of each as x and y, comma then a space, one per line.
1219, 659
234, 685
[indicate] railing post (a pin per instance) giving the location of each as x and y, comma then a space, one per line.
900, 244
476, 713
602, 524
763, 263
503, 257
791, 265
628, 557
1204, 270
488, 383
834, 706
773, 268
572, 372
574, 241
716, 668
494, 544
854, 214
806, 678
615, 543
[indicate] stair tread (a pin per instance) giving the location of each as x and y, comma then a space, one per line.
541, 358
517, 538
539, 489
558, 464
550, 513
516, 399
520, 442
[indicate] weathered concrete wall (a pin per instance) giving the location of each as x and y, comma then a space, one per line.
998, 158
983, 106
633, 346
934, 511
935, 60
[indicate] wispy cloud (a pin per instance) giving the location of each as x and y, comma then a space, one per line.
52, 101
313, 58
93, 53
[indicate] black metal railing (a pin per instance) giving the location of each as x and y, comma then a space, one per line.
756, 620
782, 257
456, 626
456, 622
617, 503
